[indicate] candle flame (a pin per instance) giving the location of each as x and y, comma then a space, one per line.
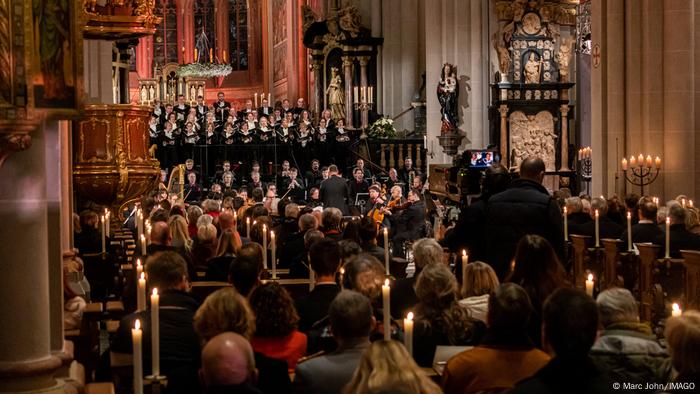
464, 252
565, 210
137, 324
155, 291
676, 307
629, 215
143, 276
143, 237
264, 228
668, 219
385, 230
272, 234
342, 270
596, 213
138, 263
386, 282
409, 316
247, 220
590, 277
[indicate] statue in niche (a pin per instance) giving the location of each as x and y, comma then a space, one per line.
533, 67
533, 135
448, 93
151, 93
504, 59
336, 96
563, 57
193, 93
144, 94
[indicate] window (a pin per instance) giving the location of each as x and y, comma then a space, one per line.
238, 34
165, 39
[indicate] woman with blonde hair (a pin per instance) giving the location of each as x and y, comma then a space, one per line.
478, 281
224, 310
683, 336
218, 266
388, 364
180, 233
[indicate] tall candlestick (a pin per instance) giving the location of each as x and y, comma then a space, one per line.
141, 293
597, 229
247, 228
566, 225
155, 333
274, 250
195, 56
269, 99
225, 57
139, 268
589, 285
465, 262
143, 245
136, 339
629, 230
104, 240
108, 214
354, 90
342, 274
386, 309
264, 234
386, 250
256, 100
676, 310
668, 237
139, 223
211, 55
408, 333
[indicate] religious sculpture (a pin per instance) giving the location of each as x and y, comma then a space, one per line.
533, 67
349, 20
151, 93
144, 94
336, 97
563, 57
503, 57
448, 92
532, 135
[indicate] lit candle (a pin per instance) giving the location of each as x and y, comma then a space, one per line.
690, 203
342, 274
597, 229
676, 310
668, 237
143, 245
649, 161
657, 161
386, 250
465, 262
139, 268
102, 226
256, 100
141, 293
640, 159
683, 202
225, 57
355, 93
247, 228
195, 55
136, 339
580, 154
211, 55
629, 230
371, 94
589, 285
274, 260
139, 223
386, 309
633, 161
155, 333
566, 225
624, 164
264, 234
408, 333
107, 217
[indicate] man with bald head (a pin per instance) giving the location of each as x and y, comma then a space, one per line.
525, 207
228, 365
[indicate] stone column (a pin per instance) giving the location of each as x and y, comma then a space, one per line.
376, 19
347, 66
319, 94
505, 154
26, 363
564, 109
364, 60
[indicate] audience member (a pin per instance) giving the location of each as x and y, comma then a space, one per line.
244, 272
646, 229
228, 246
524, 208
683, 336
276, 321
324, 257
228, 365
330, 223
351, 321
505, 356
387, 363
680, 237
569, 326
607, 227
367, 233
89, 239
627, 348
575, 213
537, 269
193, 214
205, 246
440, 320
180, 234
426, 251
478, 281
292, 252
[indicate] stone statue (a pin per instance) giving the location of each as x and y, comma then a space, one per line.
193, 93
563, 57
151, 93
532, 135
336, 95
349, 20
448, 92
503, 57
144, 95
533, 67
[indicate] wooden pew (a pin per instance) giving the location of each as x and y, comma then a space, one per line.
612, 260
691, 263
579, 243
647, 290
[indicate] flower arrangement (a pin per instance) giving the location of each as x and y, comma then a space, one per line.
204, 70
382, 128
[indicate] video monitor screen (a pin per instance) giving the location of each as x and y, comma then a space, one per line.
483, 158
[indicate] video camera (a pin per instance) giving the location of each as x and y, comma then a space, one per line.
459, 181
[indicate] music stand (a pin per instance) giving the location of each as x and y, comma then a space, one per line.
365, 197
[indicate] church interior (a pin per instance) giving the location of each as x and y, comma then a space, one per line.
349, 196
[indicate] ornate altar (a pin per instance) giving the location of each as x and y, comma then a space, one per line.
530, 110
343, 57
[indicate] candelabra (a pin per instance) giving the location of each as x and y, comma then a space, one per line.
585, 166
641, 171
363, 101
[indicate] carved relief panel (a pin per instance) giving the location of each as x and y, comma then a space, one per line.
532, 135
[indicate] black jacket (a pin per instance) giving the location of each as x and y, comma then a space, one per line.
607, 229
335, 193
314, 306
524, 208
273, 376
681, 239
403, 296
412, 220
642, 232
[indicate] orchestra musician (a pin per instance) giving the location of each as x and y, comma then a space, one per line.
408, 226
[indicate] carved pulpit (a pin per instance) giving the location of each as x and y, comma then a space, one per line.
530, 109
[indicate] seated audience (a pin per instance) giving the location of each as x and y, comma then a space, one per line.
505, 356
367, 232
478, 282
244, 272
227, 310
330, 222
426, 251
440, 320
607, 227
228, 246
193, 214
276, 320
205, 246
569, 326
683, 336
351, 320
180, 234
680, 237
627, 348
228, 365
575, 213
89, 239
179, 346
646, 230
388, 364
292, 252
537, 269
324, 257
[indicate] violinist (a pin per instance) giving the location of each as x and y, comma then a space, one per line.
376, 207
410, 224
397, 201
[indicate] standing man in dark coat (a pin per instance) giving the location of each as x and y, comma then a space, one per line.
524, 208
334, 191
409, 224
